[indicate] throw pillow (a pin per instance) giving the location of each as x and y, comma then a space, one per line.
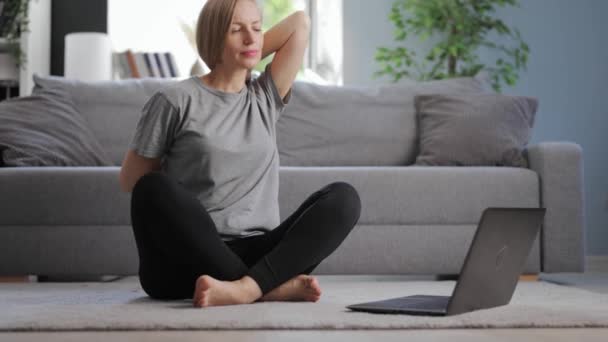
111, 108
45, 129
474, 129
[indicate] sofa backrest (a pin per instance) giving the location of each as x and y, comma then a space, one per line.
358, 125
321, 126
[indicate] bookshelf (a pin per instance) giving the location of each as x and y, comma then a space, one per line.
143, 64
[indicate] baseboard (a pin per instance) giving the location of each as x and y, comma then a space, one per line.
593, 264
19, 279
596, 264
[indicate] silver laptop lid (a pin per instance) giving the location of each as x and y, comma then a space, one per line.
496, 258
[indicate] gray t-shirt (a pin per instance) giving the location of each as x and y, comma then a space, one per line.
221, 146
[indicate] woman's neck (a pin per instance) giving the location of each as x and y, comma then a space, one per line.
226, 81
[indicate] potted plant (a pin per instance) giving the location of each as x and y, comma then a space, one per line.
13, 22
463, 26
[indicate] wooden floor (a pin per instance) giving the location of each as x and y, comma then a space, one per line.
448, 335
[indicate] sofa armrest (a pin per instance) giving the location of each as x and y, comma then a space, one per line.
62, 196
559, 166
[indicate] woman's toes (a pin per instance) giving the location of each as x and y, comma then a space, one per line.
313, 285
204, 300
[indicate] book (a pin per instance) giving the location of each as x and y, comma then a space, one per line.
124, 64
132, 65
161, 65
141, 65
150, 60
117, 70
148, 65
163, 62
171, 64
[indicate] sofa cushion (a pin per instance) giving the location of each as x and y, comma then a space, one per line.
412, 195
112, 108
45, 129
358, 125
474, 129
390, 195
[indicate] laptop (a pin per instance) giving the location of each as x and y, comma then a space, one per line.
491, 270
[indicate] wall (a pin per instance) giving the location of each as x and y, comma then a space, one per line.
74, 16
567, 72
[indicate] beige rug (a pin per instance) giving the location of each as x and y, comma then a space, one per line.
123, 305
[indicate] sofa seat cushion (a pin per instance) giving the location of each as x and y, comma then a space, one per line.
391, 195
412, 195
56, 195
368, 249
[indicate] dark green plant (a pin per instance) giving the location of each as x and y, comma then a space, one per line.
14, 21
463, 26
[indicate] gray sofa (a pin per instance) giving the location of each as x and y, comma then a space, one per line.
66, 221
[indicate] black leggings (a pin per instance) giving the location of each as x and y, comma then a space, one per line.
177, 241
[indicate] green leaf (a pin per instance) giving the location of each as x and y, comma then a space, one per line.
510, 79
399, 34
453, 50
428, 22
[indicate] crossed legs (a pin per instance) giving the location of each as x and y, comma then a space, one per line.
182, 255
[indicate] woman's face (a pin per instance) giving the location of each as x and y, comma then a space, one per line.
244, 40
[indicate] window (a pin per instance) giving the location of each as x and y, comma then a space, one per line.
323, 57
326, 40
163, 25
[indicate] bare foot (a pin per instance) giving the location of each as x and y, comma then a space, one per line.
300, 288
211, 292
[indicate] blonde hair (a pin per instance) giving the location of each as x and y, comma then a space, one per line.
211, 28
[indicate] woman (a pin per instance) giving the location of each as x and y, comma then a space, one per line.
203, 169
